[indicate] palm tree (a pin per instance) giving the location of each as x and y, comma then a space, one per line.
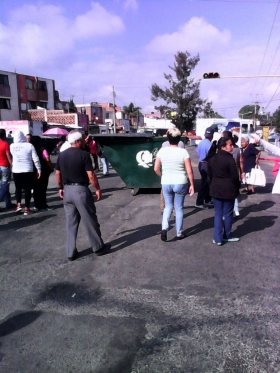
131, 111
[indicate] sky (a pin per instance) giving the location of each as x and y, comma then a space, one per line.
89, 47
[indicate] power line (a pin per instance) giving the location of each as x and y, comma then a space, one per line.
267, 45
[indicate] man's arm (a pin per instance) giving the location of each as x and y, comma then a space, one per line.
9, 156
59, 183
94, 182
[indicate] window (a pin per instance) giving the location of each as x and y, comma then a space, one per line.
29, 84
5, 103
107, 116
42, 86
4, 79
43, 104
31, 105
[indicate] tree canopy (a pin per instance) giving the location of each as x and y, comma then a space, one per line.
276, 119
248, 111
182, 94
131, 110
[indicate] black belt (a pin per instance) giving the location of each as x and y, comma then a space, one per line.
76, 184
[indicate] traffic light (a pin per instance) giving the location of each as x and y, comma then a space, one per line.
211, 75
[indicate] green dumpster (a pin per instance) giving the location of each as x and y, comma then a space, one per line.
132, 156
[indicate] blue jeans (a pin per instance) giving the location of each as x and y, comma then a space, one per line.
222, 227
5, 178
174, 195
105, 166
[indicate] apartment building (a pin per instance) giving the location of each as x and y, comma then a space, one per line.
20, 93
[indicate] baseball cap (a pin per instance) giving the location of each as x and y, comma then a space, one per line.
209, 132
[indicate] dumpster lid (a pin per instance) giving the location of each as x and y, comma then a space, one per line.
123, 135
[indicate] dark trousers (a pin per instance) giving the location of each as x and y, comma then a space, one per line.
40, 191
203, 192
24, 180
79, 204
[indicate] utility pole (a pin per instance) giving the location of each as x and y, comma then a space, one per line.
255, 116
114, 112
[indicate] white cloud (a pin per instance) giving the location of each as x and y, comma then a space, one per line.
131, 4
196, 35
97, 21
37, 36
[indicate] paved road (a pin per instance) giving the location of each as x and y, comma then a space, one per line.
148, 306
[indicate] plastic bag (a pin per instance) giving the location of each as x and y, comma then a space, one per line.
257, 177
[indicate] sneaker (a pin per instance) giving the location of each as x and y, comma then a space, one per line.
217, 243
34, 209
27, 211
210, 203
104, 249
163, 235
236, 213
18, 209
202, 207
233, 239
47, 209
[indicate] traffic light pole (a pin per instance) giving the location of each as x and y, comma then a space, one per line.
248, 76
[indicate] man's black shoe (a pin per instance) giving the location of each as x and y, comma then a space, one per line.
75, 256
104, 249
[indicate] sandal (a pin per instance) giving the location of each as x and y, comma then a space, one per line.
181, 237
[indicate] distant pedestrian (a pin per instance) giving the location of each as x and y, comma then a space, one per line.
59, 145
93, 150
173, 165
236, 153
250, 158
5, 170
24, 156
74, 172
224, 188
41, 184
203, 197
165, 144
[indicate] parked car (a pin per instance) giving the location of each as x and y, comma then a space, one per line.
273, 137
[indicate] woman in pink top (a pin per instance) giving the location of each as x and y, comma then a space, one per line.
41, 185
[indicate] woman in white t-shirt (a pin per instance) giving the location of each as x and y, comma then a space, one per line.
174, 166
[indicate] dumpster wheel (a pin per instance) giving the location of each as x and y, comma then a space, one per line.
134, 191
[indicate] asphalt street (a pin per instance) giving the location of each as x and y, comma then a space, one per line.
148, 306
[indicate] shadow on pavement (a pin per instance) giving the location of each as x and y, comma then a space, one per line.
18, 321
26, 222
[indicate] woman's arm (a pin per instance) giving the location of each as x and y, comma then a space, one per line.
157, 167
36, 161
189, 170
47, 159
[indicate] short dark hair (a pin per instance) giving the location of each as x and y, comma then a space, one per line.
2, 133
174, 136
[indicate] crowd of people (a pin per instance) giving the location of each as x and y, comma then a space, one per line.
222, 167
